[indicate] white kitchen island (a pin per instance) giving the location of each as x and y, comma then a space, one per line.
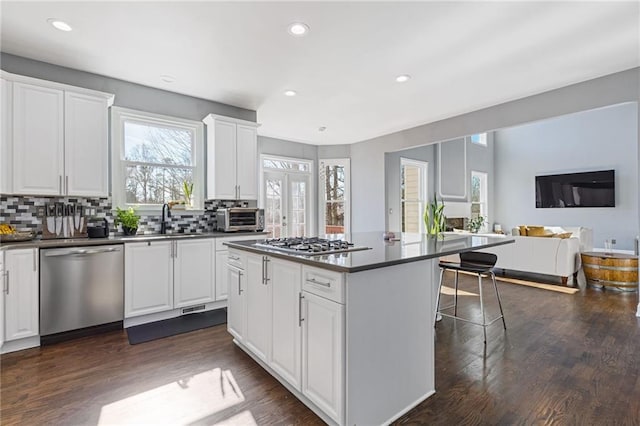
350, 334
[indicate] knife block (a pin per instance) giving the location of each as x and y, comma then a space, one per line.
58, 228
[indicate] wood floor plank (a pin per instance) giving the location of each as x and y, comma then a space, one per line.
564, 359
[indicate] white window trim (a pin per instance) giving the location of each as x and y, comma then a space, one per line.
424, 178
118, 117
312, 182
322, 163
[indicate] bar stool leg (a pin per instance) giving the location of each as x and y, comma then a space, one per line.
438, 297
455, 298
493, 277
484, 320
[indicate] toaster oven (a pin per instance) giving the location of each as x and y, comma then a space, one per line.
240, 219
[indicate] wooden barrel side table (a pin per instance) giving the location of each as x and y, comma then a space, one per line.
613, 271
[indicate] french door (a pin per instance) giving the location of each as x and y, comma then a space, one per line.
286, 203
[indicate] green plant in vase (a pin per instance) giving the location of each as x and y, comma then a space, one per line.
128, 219
187, 189
434, 218
476, 223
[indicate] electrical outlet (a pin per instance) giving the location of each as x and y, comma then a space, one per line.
40, 211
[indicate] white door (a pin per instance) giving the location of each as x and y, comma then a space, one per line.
236, 302
86, 145
286, 204
247, 159
286, 332
38, 144
148, 278
322, 354
21, 294
258, 305
194, 272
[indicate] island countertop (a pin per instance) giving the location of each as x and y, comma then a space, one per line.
408, 247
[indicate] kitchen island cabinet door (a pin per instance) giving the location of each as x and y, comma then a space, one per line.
258, 305
86, 145
38, 140
21, 287
194, 275
323, 354
286, 331
148, 278
236, 305
222, 279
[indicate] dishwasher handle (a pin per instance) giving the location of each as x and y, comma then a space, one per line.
73, 252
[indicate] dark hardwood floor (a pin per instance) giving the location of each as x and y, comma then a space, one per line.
564, 359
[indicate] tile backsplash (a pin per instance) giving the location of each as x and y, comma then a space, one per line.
26, 213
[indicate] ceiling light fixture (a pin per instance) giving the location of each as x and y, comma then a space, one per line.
298, 29
322, 128
403, 78
290, 93
60, 25
167, 78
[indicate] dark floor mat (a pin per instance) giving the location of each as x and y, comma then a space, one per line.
171, 327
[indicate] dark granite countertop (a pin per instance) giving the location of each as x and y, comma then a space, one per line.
409, 248
119, 239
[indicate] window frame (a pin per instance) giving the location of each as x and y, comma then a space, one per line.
322, 201
483, 141
121, 115
424, 183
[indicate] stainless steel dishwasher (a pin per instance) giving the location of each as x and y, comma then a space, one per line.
81, 287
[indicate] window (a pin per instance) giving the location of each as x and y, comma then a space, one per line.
286, 196
153, 157
479, 139
334, 188
413, 194
479, 196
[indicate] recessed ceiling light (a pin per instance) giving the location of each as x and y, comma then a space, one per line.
298, 29
290, 93
60, 25
403, 78
322, 128
167, 78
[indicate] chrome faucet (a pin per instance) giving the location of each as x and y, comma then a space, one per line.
163, 223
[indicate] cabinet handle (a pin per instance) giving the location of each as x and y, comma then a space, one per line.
66, 184
265, 271
239, 283
314, 281
6, 282
170, 250
34, 260
176, 249
60, 184
234, 257
300, 319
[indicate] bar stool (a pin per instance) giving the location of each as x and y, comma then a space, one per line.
477, 263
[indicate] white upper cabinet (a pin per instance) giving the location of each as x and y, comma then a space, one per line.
86, 154
38, 140
232, 158
54, 138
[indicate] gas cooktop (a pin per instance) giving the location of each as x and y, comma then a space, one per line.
309, 246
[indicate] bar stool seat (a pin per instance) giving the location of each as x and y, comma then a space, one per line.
477, 263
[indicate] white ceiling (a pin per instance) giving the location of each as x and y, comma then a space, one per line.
463, 56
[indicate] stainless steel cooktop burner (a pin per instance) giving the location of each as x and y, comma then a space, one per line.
309, 246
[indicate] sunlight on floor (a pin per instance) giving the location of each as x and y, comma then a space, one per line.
181, 402
451, 291
244, 418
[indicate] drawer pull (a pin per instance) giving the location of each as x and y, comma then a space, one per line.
234, 257
314, 281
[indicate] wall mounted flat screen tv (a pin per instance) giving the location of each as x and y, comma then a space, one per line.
586, 189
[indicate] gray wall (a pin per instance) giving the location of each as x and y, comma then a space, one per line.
601, 139
368, 159
127, 95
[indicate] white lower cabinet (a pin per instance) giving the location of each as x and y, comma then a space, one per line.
258, 306
164, 275
323, 354
148, 278
236, 309
194, 272
222, 280
21, 294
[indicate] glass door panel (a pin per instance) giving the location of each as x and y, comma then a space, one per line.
298, 211
274, 204
286, 204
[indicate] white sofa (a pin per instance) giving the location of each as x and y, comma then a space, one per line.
546, 255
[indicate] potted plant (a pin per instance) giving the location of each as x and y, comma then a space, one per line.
434, 219
128, 219
476, 223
